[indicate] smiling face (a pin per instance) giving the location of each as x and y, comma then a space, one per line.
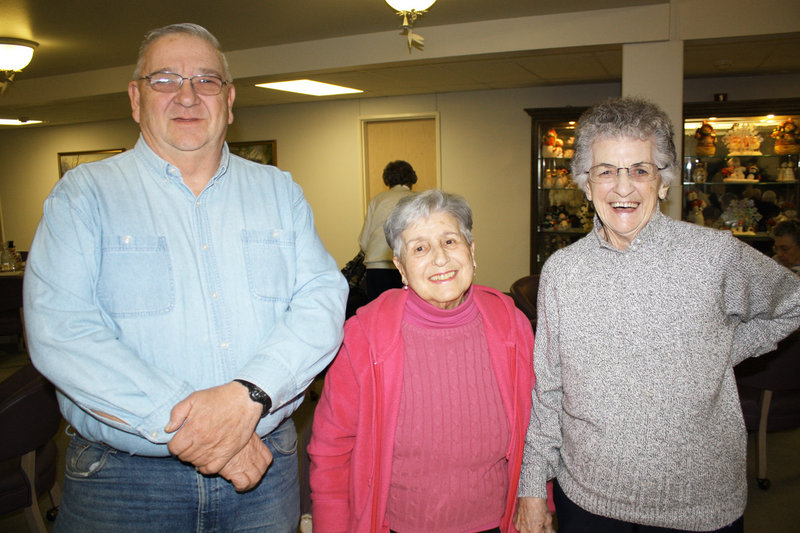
182, 123
437, 263
624, 206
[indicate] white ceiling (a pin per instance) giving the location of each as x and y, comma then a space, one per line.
78, 37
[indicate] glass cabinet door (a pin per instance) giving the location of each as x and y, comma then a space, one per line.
560, 213
740, 167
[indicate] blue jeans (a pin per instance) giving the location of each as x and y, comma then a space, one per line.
106, 490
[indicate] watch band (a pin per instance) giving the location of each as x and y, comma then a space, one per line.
257, 395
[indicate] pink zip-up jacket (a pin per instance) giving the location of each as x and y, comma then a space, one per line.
354, 424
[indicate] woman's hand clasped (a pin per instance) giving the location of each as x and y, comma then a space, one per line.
532, 516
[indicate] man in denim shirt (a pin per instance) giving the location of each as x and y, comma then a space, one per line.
181, 301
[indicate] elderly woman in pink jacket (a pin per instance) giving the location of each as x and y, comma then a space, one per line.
422, 419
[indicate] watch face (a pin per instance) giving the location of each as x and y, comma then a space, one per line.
257, 395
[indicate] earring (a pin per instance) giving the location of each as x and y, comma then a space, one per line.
405, 287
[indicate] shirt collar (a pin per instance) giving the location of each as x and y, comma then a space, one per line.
164, 170
647, 234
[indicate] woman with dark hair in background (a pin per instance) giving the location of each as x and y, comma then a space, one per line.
381, 273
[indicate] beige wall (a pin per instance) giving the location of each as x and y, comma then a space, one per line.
485, 155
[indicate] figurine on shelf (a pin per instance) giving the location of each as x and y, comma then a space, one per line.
706, 140
788, 212
553, 217
786, 172
741, 217
753, 173
700, 173
743, 139
563, 180
569, 147
787, 138
734, 170
695, 208
549, 181
563, 221
586, 217
551, 147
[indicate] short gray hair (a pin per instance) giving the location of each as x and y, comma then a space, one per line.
625, 118
421, 205
186, 28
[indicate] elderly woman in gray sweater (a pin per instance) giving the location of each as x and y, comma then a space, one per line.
640, 323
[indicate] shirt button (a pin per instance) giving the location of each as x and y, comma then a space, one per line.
204, 247
275, 234
153, 434
213, 294
127, 239
223, 345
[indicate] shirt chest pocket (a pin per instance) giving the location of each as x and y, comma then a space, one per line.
270, 261
136, 277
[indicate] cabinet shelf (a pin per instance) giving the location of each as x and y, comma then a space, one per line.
751, 206
714, 194
553, 129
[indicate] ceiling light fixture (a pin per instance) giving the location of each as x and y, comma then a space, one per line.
313, 88
410, 10
18, 122
15, 54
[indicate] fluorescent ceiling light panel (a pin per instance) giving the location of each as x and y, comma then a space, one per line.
314, 88
16, 122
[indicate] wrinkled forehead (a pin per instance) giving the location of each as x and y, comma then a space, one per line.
179, 51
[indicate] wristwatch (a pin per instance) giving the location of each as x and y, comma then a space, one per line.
258, 396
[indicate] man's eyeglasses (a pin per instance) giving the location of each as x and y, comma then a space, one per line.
169, 82
639, 172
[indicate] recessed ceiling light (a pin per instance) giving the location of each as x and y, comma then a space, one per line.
17, 122
314, 88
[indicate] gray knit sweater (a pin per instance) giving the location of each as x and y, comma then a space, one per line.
635, 409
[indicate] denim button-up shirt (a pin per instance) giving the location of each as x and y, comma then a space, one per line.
138, 293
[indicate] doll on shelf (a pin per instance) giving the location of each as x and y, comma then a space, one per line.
706, 140
734, 170
786, 172
552, 146
787, 138
753, 173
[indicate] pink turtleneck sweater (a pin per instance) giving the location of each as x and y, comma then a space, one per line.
449, 470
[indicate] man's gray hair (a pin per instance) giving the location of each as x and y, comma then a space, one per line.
421, 205
625, 118
186, 28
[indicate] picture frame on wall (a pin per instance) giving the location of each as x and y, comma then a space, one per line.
264, 152
69, 160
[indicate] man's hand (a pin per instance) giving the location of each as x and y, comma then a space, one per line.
247, 467
212, 426
532, 516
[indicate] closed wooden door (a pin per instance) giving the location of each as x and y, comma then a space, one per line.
414, 140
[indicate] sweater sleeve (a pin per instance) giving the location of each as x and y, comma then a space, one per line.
765, 298
543, 440
331, 446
